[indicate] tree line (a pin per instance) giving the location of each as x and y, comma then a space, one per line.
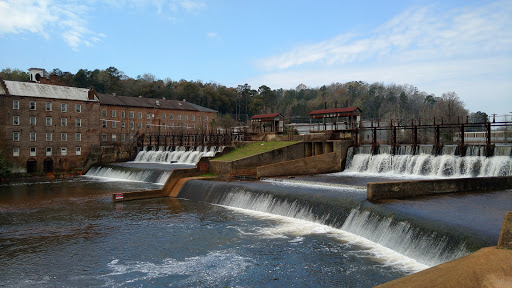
378, 101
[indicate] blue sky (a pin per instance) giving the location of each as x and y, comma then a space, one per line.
444, 46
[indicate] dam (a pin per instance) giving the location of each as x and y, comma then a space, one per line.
306, 231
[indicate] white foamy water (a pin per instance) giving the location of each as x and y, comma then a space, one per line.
297, 228
323, 185
429, 166
118, 174
180, 155
221, 266
398, 245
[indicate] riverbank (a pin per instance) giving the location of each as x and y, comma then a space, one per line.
487, 267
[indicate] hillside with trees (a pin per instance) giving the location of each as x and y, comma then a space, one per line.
378, 101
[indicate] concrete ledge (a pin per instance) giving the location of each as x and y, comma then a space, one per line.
505, 241
406, 189
325, 163
127, 196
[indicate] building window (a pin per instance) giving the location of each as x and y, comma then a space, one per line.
63, 121
114, 113
33, 136
163, 116
63, 107
179, 116
16, 120
114, 137
78, 122
78, 108
32, 105
122, 114
104, 124
33, 121
78, 151
16, 136
132, 125
186, 117
48, 106
48, 151
132, 114
123, 138
205, 118
63, 136
148, 116
64, 151
32, 151
147, 125
16, 151
171, 125
48, 121
104, 113
15, 104
199, 118
193, 126
78, 137
123, 125
49, 137
114, 124
184, 125
171, 117
140, 115
104, 137
193, 118
139, 125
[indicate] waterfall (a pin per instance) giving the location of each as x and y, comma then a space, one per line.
426, 164
425, 247
180, 155
397, 241
115, 173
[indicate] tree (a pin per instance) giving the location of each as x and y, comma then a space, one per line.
14, 75
268, 97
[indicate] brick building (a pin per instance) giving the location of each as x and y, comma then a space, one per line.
46, 128
50, 127
123, 118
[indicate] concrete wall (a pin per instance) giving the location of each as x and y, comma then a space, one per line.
310, 165
248, 165
406, 189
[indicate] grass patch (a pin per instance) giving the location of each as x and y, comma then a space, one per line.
253, 149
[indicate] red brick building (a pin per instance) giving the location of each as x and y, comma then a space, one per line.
46, 128
124, 118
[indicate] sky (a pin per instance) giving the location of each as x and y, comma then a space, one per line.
437, 46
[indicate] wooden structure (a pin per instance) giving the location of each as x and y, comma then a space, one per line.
273, 119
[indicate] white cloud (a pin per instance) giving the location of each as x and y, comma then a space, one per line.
416, 32
460, 50
47, 18
192, 6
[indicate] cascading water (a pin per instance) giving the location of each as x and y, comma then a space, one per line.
425, 164
115, 173
401, 241
179, 155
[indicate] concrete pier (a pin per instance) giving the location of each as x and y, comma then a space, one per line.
407, 189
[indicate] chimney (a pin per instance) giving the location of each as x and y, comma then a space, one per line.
4, 87
91, 94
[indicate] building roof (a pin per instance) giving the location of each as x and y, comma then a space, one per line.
347, 111
107, 99
31, 89
266, 116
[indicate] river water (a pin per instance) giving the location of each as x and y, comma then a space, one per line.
70, 234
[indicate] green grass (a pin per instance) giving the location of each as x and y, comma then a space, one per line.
253, 149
